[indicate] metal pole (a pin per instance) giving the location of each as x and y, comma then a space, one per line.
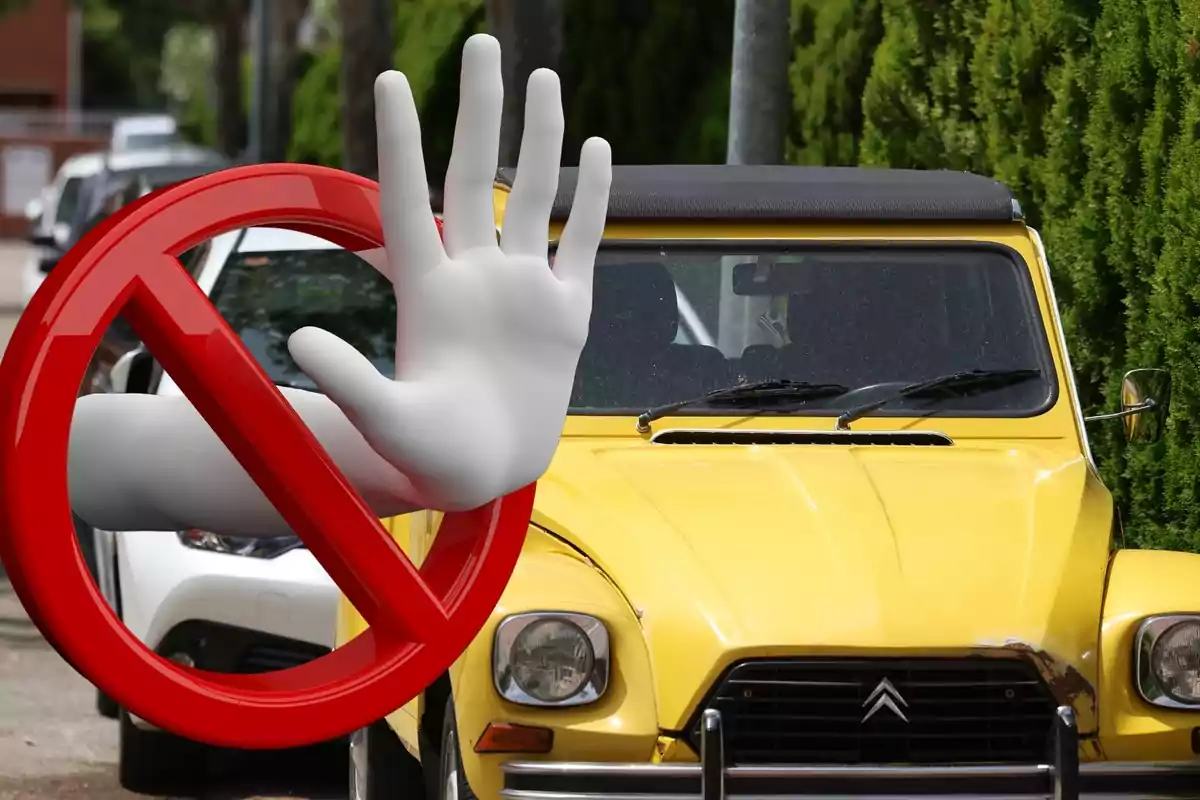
759, 100
260, 86
759, 94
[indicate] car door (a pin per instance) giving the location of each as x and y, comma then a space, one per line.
117, 356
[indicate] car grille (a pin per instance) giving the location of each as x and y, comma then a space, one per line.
950, 711
275, 654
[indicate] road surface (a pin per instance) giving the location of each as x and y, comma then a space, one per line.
53, 744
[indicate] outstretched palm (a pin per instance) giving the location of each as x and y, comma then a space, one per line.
488, 336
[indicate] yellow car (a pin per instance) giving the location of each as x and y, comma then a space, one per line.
823, 521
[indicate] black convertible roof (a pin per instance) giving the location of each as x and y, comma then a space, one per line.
793, 194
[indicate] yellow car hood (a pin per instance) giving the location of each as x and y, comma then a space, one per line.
730, 551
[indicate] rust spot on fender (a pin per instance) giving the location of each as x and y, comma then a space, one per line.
1066, 683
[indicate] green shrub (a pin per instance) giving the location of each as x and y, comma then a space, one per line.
316, 113
834, 47
1090, 111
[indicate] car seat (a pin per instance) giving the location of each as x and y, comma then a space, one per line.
631, 360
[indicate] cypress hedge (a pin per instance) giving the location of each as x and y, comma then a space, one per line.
1090, 111
651, 78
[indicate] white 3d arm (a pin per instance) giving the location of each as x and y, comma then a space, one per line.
145, 462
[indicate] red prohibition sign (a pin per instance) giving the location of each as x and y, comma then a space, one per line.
420, 620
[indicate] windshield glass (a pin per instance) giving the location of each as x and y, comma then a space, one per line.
68, 200
109, 204
146, 141
674, 323
266, 297
671, 324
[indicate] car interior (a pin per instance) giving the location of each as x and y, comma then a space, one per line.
850, 320
632, 353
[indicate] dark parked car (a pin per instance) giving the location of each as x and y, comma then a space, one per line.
126, 177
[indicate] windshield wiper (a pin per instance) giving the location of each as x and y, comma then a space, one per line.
757, 391
955, 384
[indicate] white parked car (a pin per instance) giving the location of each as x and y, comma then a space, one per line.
51, 228
231, 603
143, 131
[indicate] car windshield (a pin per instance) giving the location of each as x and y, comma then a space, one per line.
116, 197
67, 200
674, 323
146, 141
266, 297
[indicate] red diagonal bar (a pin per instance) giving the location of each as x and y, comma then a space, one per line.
264, 433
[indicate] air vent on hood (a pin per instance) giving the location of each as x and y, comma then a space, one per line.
901, 438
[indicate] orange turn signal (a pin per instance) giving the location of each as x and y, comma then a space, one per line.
504, 737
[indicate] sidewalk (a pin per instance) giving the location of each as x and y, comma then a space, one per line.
52, 743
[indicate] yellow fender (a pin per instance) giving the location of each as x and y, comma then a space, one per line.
621, 726
1142, 583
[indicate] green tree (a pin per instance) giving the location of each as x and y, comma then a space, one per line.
1109, 291
13, 5
122, 50
918, 102
439, 100
425, 31
652, 78
835, 43
316, 113
1144, 478
187, 61
1164, 484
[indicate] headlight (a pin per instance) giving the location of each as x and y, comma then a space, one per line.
551, 659
1168, 661
250, 546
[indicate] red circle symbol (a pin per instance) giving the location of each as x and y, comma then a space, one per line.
420, 620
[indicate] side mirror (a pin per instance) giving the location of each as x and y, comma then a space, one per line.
33, 209
131, 374
1145, 403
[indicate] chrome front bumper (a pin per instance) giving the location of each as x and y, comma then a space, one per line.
712, 779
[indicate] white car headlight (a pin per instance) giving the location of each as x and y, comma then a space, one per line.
551, 658
250, 546
1168, 660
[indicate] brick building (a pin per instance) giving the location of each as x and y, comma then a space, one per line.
40, 121
35, 56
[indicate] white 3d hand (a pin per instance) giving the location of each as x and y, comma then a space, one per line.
488, 341
488, 336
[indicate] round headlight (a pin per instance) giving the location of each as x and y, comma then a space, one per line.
1175, 660
552, 660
